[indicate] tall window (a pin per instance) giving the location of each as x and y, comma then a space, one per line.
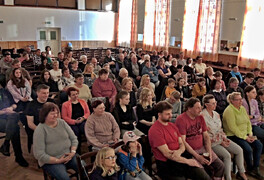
201, 28
251, 53
127, 23
156, 25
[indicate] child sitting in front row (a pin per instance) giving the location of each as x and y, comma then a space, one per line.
130, 158
170, 88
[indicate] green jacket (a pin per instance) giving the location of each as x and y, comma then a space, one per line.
236, 122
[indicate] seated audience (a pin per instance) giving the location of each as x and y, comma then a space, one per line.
48, 51
154, 58
110, 75
168, 62
249, 78
136, 69
199, 89
9, 125
54, 143
75, 112
256, 73
145, 111
173, 67
66, 79
83, 62
44, 64
196, 139
69, 56
152, 72
123, 73
251, 105
219, 95
105, 167
32, 111
124, 114
259, 84
176, 104
127, 85
66, 63
89, 75
260, 99
46, 78
181, 74
55, 72
218, 76
181, 60
60, 59
233, 86
189, 68
170, 88
110, 60
101, 129
183, 90
84, 90
173, 162
23, 57
96, 66
234, 73
199, 65
238, 128
121, 63
74, 68
20, 89
221, 145
5, 64
104, 87
145, 83
130, 158
208, 76
37, 58
163, 70
17, 64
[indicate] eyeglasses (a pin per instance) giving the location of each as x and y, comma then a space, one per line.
111, 158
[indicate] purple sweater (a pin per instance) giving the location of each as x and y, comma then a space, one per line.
254, 111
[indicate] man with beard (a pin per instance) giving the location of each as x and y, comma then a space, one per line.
192, 127
173, 162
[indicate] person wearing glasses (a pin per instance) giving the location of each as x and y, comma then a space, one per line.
130, 158
105, 167
238, 128
221, 145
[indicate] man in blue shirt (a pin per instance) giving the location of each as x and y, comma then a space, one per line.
9, 125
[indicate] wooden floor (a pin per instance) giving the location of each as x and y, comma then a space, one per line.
10, 170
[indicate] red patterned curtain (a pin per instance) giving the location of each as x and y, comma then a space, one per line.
201, 28
127, 23
251, 54
156, 24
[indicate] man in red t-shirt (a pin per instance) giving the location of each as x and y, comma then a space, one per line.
169, 150
196, 139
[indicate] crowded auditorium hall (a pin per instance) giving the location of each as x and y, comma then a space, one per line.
131, 90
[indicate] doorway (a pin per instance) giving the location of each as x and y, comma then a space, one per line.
49, 37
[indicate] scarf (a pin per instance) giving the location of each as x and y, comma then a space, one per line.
237, 74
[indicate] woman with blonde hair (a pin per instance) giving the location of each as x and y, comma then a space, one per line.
238, 128
145, 83
105, 166
89, 75
145, 111
127, 85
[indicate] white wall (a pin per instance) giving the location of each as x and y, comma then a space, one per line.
21, 23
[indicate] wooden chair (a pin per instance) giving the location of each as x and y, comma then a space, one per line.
85, 164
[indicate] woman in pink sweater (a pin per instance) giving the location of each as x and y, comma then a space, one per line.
104, 87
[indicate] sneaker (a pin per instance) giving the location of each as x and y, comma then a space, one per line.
4, 149
21, 161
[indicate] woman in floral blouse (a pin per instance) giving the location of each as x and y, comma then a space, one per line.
221, 145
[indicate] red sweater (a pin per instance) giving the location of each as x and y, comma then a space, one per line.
66, 111
103, 88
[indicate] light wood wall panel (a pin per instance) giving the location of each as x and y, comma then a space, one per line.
67, 3
17, 44
94, 4
26, 2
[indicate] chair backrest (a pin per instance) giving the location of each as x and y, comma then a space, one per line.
85, 164
135, 113
163, 96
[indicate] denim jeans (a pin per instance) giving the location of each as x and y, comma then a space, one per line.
251, 151
258, 131
59, 171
